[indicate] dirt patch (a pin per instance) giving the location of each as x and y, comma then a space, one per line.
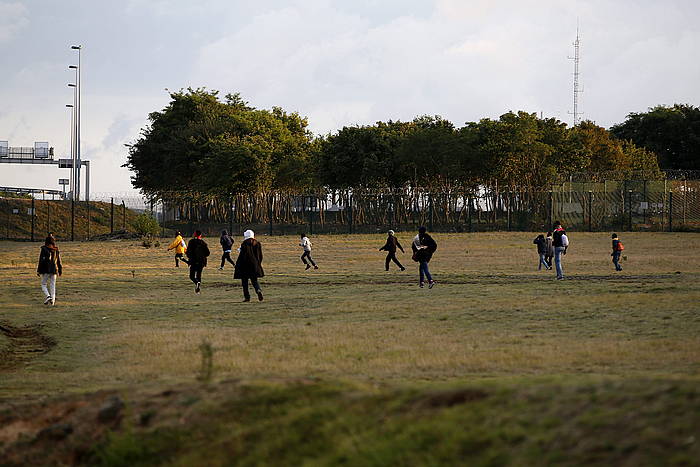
25, 343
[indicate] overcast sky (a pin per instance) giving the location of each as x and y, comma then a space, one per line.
338, 62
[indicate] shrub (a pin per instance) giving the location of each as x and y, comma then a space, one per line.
146, 225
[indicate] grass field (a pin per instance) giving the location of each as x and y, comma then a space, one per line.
517, 341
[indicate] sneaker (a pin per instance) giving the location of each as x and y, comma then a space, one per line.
431, 284
221, 268
48, 299
403, 269
560, 278
420, 285
52, 302
246, 299
260, 297
197, 288
308, 266
315, 267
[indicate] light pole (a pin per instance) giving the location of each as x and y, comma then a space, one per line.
72, 149
77, 115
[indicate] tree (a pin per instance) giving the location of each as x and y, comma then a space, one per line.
198, 143
672, 133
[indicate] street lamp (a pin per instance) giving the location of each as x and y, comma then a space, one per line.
75, 188
72, 147
77, 119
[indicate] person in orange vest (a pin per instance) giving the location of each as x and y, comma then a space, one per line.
179, 245
617, 248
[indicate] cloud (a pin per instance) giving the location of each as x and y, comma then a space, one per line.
13, 18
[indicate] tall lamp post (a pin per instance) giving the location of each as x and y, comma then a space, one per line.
75, 188
77, 118
72, 149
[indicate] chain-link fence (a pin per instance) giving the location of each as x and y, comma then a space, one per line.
583, 206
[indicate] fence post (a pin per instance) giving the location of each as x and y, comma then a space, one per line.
230, 215
48, 216
549, 211
123, 215
670, 211
72, 219
162, 218
509, 198
311, 217
629, 206
590, 210
32, 208
469, 212
350, 196
111, 215
430, 206
87, 203
271, 211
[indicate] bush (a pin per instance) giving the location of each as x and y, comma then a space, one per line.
146, 225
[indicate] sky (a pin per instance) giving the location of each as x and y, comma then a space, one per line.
337, 62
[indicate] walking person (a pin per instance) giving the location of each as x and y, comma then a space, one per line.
392, 243
423, 247
541, 243
179, 246
306, 245
49, 266
617, 248
197, 253
549, 249
561, 244
248, 265
226, 244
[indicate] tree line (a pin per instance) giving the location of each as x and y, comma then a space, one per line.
201, 143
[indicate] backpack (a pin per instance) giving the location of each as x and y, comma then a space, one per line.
620, 246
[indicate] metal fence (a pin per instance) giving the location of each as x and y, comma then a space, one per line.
609, 205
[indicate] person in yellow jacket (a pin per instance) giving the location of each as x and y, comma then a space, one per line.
180, 249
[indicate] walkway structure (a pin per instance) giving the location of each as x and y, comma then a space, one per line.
41, 153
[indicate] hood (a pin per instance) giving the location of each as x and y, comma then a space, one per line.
248, 234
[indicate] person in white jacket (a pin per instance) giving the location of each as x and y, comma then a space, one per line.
306, 245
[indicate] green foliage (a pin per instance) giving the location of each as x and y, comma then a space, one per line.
672, 133
199, 143
146, 225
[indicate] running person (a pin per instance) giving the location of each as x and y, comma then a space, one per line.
249, 265
49, 266
541, 243
197, 253
423, 247
306, 245
179, 246
390, 247
226, 244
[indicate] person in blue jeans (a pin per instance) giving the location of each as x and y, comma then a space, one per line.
541, 243
616, 251
423, 247
561, 244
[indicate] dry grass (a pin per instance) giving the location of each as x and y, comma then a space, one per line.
125, 315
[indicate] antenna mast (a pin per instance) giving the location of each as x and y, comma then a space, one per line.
576, 58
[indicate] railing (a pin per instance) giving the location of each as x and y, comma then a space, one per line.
24, 152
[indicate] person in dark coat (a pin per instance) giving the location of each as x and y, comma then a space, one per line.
423, 247
249, 265
226, 244
541, 243
197, 253
49, 266
392, 243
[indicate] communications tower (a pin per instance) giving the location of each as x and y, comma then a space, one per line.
576, 58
